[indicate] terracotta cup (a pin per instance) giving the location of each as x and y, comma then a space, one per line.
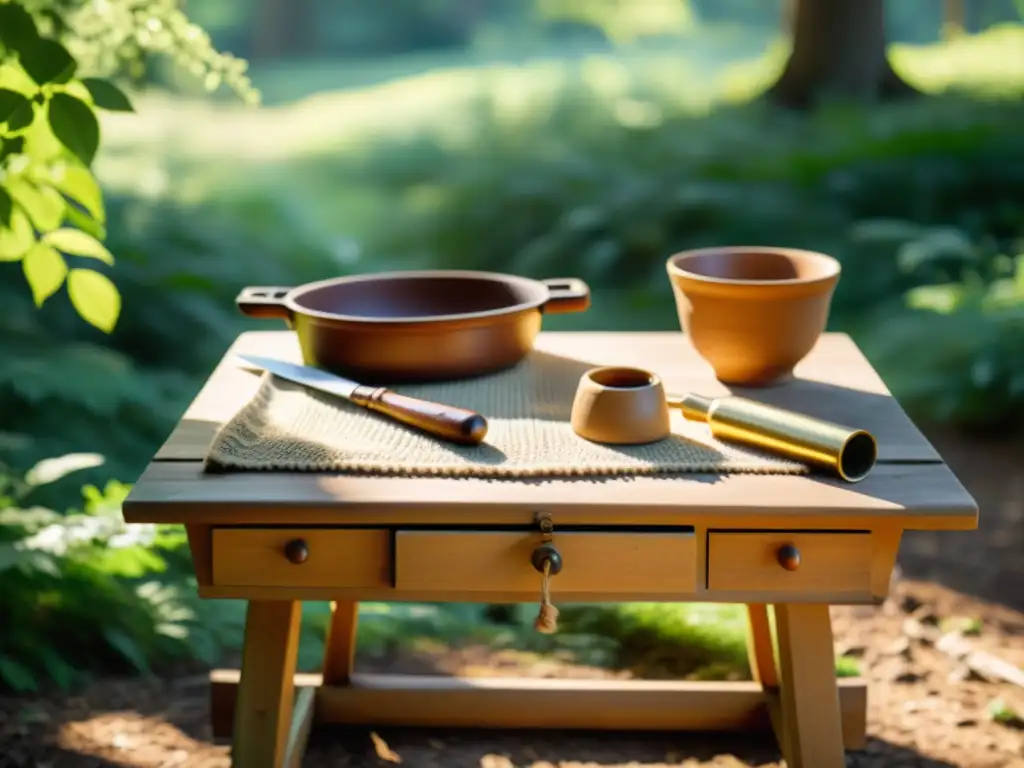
753, 312
622, 406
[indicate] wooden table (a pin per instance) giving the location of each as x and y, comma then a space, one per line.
277, 539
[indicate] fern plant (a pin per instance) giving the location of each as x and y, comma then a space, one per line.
82, 591
955, 351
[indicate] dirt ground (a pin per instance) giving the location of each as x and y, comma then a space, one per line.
988, 562
926, 709
929, 706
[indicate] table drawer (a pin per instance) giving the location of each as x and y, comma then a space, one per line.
593, 562
836, 564
333, 558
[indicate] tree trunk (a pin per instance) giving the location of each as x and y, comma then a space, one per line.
838, 52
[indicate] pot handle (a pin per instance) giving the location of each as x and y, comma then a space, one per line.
266, 303
566, 294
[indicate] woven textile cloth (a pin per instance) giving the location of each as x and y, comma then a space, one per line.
286, 427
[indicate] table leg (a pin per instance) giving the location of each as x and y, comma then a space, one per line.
760, 648
761, 658
340, 646
812, 733
266, 692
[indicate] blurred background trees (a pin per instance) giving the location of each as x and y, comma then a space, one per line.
839, 52
586, 137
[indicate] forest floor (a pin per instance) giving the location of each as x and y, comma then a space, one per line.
927, 708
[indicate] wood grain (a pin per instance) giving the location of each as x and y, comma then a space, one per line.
388, 594
812, 730
744, 516
340, 643
834, 382
263, 721
539, 703
761, 646
885, 546
915, 496
337, 558
834, 566
446, 422
458, 565
200, 544
481, 561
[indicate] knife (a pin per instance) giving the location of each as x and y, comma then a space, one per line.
457, 425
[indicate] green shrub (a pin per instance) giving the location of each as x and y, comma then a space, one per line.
67, 387
581, 189
83, 592
920, 202
957, 353
668, 640
53, 59
905, 196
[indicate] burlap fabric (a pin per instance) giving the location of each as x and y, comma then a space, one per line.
286, 427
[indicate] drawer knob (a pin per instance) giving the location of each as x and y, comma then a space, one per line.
548, 561
297, 551
547, 555
789, 557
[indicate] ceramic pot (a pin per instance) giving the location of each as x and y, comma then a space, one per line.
753, 312
431, 325
620, 406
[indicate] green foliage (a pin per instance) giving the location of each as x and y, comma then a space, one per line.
697, 641
957, 352
377, 28
179, 269
605, 183
588, 189
95, 297
1004, 714
83, 592
667, 640
622, 20
106, 95
50, 131
847, 666
919, 202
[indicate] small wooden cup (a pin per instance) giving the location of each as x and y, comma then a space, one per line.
620, 406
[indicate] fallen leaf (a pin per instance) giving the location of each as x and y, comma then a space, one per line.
384, 752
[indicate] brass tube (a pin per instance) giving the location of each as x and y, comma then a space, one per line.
847, 452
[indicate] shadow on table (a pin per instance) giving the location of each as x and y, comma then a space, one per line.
465, 748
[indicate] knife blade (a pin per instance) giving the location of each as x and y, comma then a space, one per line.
448, 422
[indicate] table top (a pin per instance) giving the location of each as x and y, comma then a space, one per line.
910, 486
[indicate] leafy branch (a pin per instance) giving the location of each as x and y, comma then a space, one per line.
52, 216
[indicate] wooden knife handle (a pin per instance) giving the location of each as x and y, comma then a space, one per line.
456, 425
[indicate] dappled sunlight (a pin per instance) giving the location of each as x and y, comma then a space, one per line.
340, 119
217, 150
992, 62
133, 724
624, 22
591, 139
132, 740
